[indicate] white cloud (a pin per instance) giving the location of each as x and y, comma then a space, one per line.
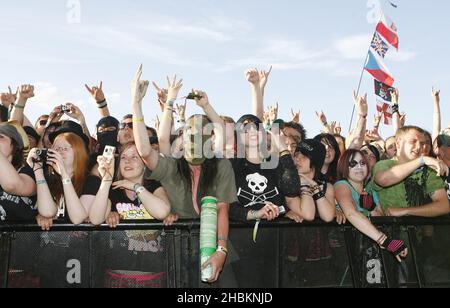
353, 47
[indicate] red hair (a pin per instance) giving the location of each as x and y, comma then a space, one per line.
80, 165
343, 168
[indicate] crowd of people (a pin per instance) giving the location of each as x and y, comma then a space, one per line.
259, 167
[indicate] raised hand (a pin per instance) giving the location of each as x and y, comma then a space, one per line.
8, 98
26, 92
181, 111
377, 120
435, 93
273, 113
203, 102
55, 160
162, 96
264, 77
105, 168
361, 103
403, 119
138, 87
395, 96
252, 76
338, 129
322, 117
75, 113
174, 88
96, 92
295, 116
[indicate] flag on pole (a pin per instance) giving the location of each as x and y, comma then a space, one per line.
383, 91
377, 69
387, 29
386, 110
379, 45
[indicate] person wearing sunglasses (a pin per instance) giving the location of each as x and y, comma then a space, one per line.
358, 203
126, 130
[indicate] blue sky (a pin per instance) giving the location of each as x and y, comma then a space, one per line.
317, 49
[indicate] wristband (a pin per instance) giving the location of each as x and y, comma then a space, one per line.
102, 104
41, 182
19, 106
395, 108
66, 181
171, 102
138, 120
138, 189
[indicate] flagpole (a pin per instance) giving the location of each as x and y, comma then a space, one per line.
360, 81
362, 72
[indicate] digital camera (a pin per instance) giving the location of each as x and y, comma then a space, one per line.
193, 96
65, 109
41, 156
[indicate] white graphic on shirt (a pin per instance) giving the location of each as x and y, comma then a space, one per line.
2, 213
257, 184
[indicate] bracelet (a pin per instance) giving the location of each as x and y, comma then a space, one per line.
19, 106
138, 120
171, 102
222, 250
325, 123
41, 182
66, 181
220, 238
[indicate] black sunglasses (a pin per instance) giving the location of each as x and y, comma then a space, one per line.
42, 122
124, 125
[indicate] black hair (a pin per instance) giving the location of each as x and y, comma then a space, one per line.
298, 127
18, 159
331, 175
208, 173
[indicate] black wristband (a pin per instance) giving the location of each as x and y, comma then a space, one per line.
319, 195
395, 108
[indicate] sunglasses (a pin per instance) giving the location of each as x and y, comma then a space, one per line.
42, 122
354, 163
125, 125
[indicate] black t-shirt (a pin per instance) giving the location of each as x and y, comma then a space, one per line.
91, 186
15, 208
256, 186
131, 209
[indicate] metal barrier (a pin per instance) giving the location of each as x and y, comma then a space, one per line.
150, 255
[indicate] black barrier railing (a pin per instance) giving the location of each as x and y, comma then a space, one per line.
286, 254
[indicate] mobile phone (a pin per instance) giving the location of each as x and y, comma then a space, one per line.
108, 153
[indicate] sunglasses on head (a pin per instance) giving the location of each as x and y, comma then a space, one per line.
354, 163
124, 125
